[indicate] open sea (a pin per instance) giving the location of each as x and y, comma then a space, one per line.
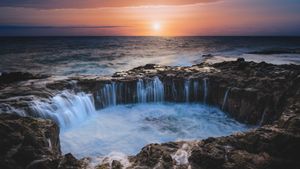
65, 56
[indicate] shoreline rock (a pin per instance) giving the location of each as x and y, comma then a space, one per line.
31, 143
258, 93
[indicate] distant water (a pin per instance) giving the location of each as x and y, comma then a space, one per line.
106, 55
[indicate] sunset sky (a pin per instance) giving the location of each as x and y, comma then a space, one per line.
149, 17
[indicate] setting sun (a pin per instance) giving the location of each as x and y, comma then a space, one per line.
156, 26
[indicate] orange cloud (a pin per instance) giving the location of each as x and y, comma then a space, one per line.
77, 4
227, 17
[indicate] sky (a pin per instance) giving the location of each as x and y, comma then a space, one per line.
149, 17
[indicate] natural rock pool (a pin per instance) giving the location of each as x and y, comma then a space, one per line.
127, 128
117, 121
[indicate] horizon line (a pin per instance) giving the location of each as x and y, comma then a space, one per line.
29, 36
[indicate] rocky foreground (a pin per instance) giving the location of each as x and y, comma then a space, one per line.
259, 93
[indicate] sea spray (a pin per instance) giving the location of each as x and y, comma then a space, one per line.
108, 159
66, 108
182, 154
128, 128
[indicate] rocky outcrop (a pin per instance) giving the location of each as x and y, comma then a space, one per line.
271, 146
256, 92
12, 77
262, 94
32, 144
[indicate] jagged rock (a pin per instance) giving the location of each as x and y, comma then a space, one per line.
267, 147
69, 161
31, 143
11, 77
103, 166
149, 66
240, 60
116, 165
259, 93
207, 56
155, 155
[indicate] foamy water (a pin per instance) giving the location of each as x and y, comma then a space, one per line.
127, 128
106, 55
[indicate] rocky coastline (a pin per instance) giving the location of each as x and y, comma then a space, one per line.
260, 94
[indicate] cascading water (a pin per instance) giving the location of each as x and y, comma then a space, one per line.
262, 118
196, 90
225, 98
128, 127
68, 108
65, 108
205, 90
150, 91
187, 90
11, 109
174, 91
108, 95
141, 92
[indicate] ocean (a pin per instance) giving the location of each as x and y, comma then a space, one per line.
65, 56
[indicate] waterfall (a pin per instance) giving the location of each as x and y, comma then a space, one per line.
65, 108
158, 90
262, 118
68, 108
150, 91
174, 91
196, 89
141, 91
225, 98
187, 90
108, 95
205, 90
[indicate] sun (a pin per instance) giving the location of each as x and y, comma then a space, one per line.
156, 26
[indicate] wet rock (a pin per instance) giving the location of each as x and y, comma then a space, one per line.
103, 166
31, 143
207, 56
69, 161
259, 93
155, 155
116, 165
240, 60
149, 66
11, 77
254, 149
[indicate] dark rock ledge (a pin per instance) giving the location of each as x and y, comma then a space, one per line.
32, 144
260, 93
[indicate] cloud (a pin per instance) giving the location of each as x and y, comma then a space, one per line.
57, 27
77, 4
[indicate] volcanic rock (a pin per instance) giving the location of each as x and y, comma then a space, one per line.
263, 95
31, 143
